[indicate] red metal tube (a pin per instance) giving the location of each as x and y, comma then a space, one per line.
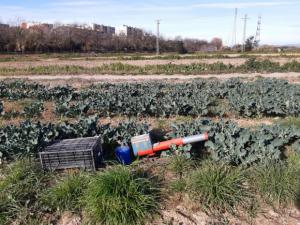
161, 146
145, 152
167, 144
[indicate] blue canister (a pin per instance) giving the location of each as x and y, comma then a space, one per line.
123, 154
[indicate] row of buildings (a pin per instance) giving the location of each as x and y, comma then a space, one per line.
2, 26
123, 30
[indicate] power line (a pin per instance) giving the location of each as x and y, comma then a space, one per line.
258, 30
246, 18
157, 37
234, 28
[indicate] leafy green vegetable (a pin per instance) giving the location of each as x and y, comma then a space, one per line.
241, 146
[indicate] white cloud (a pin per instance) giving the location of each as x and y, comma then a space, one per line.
77, 3
146, 7
226, 5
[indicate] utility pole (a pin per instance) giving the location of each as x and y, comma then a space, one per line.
258, 30
157, 37
234, 28
245, 31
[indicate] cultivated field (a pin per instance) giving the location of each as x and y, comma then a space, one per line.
248, 172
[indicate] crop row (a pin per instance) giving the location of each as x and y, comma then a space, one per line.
227, 142
264, 97
250, 66
118, 57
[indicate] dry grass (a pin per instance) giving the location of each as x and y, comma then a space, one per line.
89, 60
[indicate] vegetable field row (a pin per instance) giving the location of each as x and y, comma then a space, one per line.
263, 97
250, 66
227, 141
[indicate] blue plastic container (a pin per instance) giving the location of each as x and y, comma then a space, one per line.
123, 154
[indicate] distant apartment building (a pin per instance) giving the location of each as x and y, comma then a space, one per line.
33, 25
3, 25
130, 31
104, 29
83, 26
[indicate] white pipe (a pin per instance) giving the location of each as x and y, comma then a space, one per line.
195, 138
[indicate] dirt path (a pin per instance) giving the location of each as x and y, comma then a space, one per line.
291, 77
99, 62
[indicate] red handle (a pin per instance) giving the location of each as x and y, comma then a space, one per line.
161, 146
145, 152
167, 144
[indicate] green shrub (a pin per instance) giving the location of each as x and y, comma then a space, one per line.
293, 66
19, 191
219, 186
120, 196
278, 183
254, 65
66, 193
34, 109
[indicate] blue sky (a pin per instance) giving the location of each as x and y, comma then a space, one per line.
186, 18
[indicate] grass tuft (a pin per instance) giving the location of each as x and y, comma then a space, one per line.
219, 187
178, 186
66, 193
19, 191
121, 196
279, 183
179, 164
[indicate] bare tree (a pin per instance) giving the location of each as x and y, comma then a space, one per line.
217, 42
75, 38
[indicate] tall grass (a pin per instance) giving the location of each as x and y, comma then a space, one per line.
219, 187
120, 196
65, 194
279, 184
179, 164
19, 192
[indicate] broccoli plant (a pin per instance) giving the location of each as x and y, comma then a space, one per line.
34, 109
1, 108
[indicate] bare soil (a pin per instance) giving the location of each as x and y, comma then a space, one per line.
183, 214
67, 79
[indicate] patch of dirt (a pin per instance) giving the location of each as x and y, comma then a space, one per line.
79, 79
242, 122
48, 114
69, 218
184, 214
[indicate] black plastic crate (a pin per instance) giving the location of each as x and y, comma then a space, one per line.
83, 153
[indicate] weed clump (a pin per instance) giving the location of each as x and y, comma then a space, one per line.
19, 192
279, 183
66, 193
219, 186
121, 196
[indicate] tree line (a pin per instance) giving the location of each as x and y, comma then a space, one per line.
71, 39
